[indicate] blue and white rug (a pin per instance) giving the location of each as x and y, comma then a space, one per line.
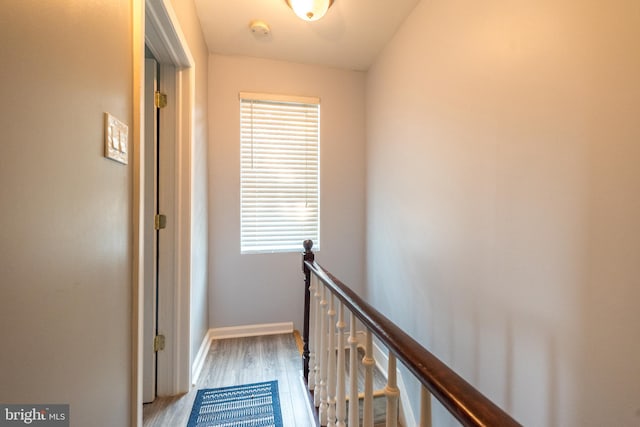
250, 405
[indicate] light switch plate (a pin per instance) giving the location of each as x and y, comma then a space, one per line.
116, 139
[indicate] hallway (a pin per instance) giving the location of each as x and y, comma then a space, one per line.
479, 187
236, 361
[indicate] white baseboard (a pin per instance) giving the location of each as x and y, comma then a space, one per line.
309, 402
407, 417
251, 330
198, 362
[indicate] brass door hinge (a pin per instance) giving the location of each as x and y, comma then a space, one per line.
160, 99
160, 222
158, 343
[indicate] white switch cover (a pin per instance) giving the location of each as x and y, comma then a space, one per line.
116, 139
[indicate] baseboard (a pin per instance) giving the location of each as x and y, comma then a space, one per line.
251, 330
201, 356
405, 410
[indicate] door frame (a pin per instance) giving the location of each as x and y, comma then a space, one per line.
156, 25
149, 356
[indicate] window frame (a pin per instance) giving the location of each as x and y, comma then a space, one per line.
300, 119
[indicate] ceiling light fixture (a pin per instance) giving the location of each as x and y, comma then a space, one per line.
309, 10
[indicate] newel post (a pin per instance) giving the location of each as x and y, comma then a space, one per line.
306, 256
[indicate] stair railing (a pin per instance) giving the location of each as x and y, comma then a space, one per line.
324, 360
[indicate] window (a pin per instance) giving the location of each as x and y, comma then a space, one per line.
279, 172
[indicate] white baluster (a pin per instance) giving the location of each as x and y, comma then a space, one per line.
331, 371
324, 349
368, 362
318, 344
311, 381
341, 400
354, 410
425, 408
392, 393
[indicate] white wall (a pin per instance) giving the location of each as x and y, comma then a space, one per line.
266, 288
503, 153
189, 23
65, 227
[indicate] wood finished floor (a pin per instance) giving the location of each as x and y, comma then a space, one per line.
237, 361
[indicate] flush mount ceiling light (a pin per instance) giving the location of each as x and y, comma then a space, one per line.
309, 10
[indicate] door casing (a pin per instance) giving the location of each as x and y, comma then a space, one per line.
156, 24
150, 234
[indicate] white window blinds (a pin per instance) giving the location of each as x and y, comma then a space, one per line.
279, 173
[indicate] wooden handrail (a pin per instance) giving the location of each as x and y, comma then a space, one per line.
460, 398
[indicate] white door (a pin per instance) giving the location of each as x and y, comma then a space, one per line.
159, 245
166, 202
149, 362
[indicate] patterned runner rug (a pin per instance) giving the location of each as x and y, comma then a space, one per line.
250, 405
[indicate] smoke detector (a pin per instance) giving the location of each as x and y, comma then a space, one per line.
260, 29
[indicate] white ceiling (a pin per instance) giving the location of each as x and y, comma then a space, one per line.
350, 35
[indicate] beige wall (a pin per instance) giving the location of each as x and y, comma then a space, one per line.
266, 288
65, 227
503, 159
